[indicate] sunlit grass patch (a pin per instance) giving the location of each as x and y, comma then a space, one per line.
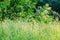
23, 30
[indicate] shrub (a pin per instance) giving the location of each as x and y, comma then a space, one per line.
14, 9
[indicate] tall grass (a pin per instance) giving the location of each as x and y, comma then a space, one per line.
23, 30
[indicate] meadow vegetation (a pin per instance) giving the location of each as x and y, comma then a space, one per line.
21, 20
24, 30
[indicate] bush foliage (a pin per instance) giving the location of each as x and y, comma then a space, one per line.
12, 9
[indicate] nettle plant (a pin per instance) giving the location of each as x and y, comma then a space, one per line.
41, 14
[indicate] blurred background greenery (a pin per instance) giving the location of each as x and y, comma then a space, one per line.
47, 10
29, 19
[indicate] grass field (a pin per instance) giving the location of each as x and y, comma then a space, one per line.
23, 30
